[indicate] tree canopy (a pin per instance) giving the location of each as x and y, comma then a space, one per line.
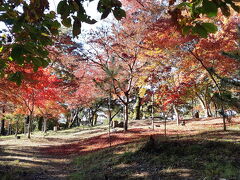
31, 26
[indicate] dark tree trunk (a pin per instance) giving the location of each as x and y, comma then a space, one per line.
29, 126
126, 117
216, 109
2, 127
40, 123
95, 117
109, 119
91, 116
224, 119
3, 123
126, 109
165, 125
78, 121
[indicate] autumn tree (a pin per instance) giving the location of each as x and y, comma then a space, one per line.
86, 94
34, 92
117, 53
165, 37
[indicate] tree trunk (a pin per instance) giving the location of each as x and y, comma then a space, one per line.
44, 125
176, 113
109, 119
16, 131
165, 125
26, 122
224, 119
193, 113
152, 111
137, 109
29, 126
126, 117
91, 117
3, 122
95, 117
2, 127
74, 117
216, 109
216, 84
40, 123
205, 107
9, 132
126, 109
78, 121
209, 112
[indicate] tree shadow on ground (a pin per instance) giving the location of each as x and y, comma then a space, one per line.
173, 157
27, 163
167, 158
97, 142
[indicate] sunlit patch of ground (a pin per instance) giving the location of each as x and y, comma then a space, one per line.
181, 172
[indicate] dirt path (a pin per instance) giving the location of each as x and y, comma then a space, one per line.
49, 157
24, 157
30, 164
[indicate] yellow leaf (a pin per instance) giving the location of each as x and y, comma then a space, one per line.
142, 92
44, 34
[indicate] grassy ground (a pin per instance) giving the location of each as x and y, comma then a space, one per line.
198, 150
192, 157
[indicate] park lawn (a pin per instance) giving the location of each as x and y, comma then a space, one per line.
208, 155
198, 150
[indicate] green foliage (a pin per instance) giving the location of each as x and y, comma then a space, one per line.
232, 55
75, 10
230, 98
211, 28
76, 27
207, 8
201, 29
107, 6
119, 13
31, 30
16, 77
